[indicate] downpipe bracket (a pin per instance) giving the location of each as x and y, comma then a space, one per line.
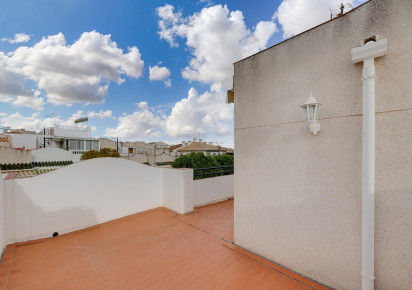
366, 276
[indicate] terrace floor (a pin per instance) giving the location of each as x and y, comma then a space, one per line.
156, 249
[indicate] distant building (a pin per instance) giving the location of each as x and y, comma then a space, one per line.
5, 141
154, 153
70, 138
194, 146
109, 143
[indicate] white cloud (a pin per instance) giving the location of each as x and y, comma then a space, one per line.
207, 3
101, 115
18, 38
157, 73
13, 88
35, 121
141, 105
200, 113
135, 125
171, 24
205, 113
31, 102
80, 72
296, 16
216, 38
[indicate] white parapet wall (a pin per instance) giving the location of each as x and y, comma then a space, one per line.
51, 154
178, 189
2, 219
212, 189
10, 155
89, 193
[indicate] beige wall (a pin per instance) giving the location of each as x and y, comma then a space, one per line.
107, 143
297, 196
10, 155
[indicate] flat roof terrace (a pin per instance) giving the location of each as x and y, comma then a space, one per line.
156, 249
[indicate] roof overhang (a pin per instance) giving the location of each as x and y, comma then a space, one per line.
228, 85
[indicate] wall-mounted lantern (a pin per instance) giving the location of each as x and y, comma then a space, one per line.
311, 111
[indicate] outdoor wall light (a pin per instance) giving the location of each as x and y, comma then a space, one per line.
311, 111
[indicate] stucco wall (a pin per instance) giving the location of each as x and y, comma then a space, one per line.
28, 141
10, 155
51, 154
175, 182
2, 218
214, 189
298, 197
108, 143
89, 193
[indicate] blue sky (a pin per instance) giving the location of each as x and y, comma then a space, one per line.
72, 59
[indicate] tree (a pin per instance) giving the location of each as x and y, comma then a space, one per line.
104, 152
224, 159
200, 160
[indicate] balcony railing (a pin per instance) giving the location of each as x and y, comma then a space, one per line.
200, 173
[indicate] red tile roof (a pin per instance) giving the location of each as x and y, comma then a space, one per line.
200, 147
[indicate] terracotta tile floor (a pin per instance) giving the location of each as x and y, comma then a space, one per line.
156, 249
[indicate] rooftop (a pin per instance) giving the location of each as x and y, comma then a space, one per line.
150, 250
200, 147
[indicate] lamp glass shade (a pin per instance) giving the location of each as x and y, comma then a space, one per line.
311, 112
311, 109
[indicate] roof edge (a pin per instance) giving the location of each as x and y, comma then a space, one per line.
323, 23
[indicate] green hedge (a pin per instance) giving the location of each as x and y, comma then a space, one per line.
22, 166
200, 160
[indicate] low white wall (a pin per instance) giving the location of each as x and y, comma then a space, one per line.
28, 141
2, 218
10, 155
89, 193
51, 154
213, 189
178, 189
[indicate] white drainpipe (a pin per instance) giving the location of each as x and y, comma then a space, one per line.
367, 53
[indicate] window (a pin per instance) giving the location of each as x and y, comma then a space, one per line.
130, 151
89, 145
72, 145
80, 144
95, 145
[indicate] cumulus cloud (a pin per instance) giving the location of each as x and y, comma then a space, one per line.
135, 125
171, 24
108, 114
296, 16
35, 121
80, 72
205, 113
13, 89
200, 113
157, 73
216, 38
18, 38
31, 102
